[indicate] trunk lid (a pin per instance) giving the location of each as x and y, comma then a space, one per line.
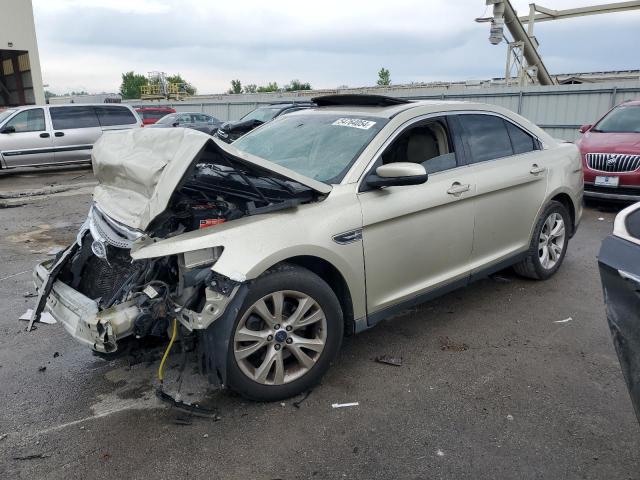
138, 170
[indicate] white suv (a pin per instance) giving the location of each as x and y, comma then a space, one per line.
318, 224
58, 134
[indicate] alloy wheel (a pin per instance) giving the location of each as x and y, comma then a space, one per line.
551, 241
280, 337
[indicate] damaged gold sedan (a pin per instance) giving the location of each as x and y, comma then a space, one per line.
257, 250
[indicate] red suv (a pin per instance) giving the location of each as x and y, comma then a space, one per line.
611, 154
151, 115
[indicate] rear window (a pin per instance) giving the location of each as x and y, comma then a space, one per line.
112, 116
487, 137
522, 142
65, 118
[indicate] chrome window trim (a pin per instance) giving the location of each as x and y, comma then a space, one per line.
445, 113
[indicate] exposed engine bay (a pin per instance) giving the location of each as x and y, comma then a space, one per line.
102, 296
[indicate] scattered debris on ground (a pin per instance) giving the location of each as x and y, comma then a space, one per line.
3, 436
563, 321
509, 417
56, 355
46, 317
33, 456
389, 360
344, 405
298, 403
447, 344
500, 279
29, 295
42, 368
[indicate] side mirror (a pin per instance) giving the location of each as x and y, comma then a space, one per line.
175, 124
9, 129
397, 174
585, 128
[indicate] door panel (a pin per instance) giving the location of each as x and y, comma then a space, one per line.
416, 238
511, 176
75, 130
31, 143
509, 198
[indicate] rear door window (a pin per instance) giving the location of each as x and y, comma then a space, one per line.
66, 118
521, 141
112, 116
28, 121
487, 137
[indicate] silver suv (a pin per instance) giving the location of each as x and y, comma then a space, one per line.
58, 134
318, 224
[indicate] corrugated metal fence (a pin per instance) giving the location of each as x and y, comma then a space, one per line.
559, 109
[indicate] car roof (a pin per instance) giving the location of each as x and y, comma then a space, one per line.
630, 103
155, 108
390, 111
67, 105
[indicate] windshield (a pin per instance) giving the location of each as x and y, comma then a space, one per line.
263, 114
319, 146
620, 120
4, 114
167, 119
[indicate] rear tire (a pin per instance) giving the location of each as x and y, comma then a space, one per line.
548, 243
288, 332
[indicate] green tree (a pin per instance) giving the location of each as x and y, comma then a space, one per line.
270, 87
384, 77
131, 83
236, 87
251, 88
296, 84
177, 78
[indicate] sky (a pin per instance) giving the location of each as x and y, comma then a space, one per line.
88, 44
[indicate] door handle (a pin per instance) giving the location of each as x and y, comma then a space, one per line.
44, 135
457, 188
535, 169
59, 134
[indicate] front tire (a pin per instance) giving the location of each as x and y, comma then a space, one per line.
548, 244
288, 331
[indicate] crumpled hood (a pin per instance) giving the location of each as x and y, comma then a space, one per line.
139, 169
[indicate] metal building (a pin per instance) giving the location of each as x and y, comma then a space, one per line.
20, 74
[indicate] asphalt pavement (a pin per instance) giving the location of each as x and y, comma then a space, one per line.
508, 378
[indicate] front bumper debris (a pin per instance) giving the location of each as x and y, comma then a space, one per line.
81, 318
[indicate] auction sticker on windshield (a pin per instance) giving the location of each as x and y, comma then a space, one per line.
355, 123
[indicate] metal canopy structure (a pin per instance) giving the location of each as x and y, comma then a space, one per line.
542, 14
524, 63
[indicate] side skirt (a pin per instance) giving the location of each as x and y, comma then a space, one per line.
387, 312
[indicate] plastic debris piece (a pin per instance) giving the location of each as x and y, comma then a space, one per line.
299, 402
33, 456
439, 453
601, 218
46, 317
343, 405
42, 368
447, 344
29, 295
389, 360
509, 417
563, 321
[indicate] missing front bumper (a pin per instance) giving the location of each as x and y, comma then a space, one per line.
81, 317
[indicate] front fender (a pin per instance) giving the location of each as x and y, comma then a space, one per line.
253, 244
